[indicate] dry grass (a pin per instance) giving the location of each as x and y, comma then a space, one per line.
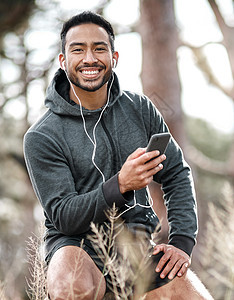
218, 250
37, 289
124, 257
2, 291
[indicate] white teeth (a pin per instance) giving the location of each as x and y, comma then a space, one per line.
90, 72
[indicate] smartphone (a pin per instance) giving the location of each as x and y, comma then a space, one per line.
158, 142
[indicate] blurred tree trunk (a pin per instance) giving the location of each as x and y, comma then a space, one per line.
161, 83
159, 68
14, 13
160, 76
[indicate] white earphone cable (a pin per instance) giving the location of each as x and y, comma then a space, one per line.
136, 204
94, 142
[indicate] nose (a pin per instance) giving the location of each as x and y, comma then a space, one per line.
89, 57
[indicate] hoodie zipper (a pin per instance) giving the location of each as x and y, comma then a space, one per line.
115, 160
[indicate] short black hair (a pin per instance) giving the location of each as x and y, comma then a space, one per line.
87, 17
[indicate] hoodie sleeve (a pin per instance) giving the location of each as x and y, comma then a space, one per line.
178, 188
180, 199
67, 210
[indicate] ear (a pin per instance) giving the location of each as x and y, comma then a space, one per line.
62, 61
115, 58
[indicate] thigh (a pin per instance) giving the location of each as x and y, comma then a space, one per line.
186, 287
71, 271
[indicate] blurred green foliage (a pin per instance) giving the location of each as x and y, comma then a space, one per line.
213, 143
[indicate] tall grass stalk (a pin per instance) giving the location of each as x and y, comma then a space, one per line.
124, 257
37, 289
218, 249
2, 291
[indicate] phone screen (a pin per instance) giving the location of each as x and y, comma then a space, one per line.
159, 142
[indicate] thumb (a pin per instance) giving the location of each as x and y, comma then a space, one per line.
159, 248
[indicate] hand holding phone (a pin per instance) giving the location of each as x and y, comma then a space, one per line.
137, 175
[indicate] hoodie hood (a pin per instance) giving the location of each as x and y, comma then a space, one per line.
58, 100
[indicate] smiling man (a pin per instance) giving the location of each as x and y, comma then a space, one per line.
89, 57
87, 153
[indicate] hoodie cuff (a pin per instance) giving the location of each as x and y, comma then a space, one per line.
182, 242
112, 193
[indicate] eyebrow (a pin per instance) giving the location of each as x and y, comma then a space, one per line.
84, 44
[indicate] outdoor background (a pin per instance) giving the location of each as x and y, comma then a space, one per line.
179, 53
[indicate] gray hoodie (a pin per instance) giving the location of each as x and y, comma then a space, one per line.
70, 188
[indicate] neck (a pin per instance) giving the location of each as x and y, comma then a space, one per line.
90, 100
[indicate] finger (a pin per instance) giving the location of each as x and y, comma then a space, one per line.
153, 163
175, 269
159, 248
167, 269
154, 170
163, 261
149, 156
183, 269
148, 175
137, 153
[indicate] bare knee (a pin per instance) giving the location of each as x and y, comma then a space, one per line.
195, 285
72, 274
187, 287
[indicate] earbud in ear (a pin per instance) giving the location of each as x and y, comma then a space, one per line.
114, 63
63, 65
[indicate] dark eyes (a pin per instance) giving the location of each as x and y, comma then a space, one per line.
98, 49
77, 50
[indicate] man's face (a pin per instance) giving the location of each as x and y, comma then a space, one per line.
88, 56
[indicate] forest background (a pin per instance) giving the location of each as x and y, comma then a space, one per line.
181, 55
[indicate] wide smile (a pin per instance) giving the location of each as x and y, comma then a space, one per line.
90, 73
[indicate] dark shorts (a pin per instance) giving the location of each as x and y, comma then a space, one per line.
147, 272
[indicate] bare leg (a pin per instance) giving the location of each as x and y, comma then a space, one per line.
187, 287
72, 274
